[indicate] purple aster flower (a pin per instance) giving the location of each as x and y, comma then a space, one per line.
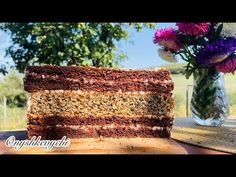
216, 52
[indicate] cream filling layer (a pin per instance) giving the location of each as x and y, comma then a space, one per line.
160, 117
111, 126
82, 92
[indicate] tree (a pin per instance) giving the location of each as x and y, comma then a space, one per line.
67, 43
12, 88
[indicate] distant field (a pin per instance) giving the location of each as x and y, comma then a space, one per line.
16, 118
180, 93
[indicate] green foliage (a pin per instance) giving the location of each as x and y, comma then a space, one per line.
219, 29
67, 43
12, 88
3, 69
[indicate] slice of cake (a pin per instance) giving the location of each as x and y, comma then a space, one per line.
89, 102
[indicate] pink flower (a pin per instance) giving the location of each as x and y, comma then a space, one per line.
193, 29
228, 65
168, 38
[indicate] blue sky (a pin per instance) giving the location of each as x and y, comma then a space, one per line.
139, 48
142, 52
4, 43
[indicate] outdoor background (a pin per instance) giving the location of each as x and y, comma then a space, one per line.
141, 53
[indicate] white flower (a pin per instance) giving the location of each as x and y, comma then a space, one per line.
229, 30
167, 55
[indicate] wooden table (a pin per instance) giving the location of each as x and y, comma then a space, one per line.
190, 149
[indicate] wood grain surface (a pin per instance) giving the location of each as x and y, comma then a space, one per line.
216, 138
109, 146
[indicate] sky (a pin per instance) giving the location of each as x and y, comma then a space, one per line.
139, 47
4, 43
141, 50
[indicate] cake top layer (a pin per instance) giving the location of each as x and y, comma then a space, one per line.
92, 68
101, 72
51, 77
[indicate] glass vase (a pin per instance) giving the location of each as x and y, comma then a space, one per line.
209, 102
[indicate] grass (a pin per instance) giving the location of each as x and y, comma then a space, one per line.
16, 117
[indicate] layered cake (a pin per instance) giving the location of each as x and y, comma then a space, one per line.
89, 102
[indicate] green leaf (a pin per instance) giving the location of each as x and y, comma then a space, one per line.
219, 29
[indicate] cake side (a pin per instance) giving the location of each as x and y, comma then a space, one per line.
82, 102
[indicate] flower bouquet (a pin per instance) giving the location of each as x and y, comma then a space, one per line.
209, 51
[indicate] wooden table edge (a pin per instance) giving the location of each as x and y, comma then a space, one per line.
204, 150
190, 148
